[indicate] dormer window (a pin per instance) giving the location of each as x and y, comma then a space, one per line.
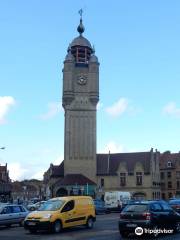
169, 164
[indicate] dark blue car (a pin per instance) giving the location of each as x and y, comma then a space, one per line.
100, 207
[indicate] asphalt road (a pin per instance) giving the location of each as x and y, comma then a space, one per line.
106, 228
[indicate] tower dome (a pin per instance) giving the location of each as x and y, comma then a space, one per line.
80, 47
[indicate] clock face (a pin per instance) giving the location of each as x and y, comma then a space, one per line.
82, 79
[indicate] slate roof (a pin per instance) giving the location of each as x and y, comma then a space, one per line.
116, 158
72, 179
80, 41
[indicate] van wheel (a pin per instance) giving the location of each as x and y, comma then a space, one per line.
57, 227
90, 223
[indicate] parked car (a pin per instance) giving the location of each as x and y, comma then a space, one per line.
35, 206
100, 206
150, 215
175, 204
12, 214
62, 212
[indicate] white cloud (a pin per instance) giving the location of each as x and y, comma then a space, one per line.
16, 171
53, 109
6, 103
118, 108
172, 110
39, 175
113, 147
31, 170
58, 160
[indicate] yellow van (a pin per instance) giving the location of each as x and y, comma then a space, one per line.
62, 212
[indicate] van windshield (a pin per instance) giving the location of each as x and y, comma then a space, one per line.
51, 205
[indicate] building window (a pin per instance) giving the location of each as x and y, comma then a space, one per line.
177, 174
169, 164
163, 185
138, 178
163, 195
102, 182
122, 179
162, 175
178, 184
169, 174
169, 184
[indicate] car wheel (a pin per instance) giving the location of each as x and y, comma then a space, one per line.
32, 230
21, 224
57, 227
8, 225
177, 227
90, 223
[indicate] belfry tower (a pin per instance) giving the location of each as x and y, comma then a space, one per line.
80, 98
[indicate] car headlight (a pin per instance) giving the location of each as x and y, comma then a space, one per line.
47, 216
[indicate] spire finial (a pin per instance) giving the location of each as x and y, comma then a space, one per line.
80, 28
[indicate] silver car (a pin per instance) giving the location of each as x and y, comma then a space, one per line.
12, 214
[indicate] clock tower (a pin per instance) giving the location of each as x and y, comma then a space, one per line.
80, 98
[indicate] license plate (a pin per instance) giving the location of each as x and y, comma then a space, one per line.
131, 225
31, 223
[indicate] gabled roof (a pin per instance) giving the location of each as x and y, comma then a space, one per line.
116, 158
73, 179
167, 156
58, 171
3, 168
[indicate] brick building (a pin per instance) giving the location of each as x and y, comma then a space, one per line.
5, 184
170, 174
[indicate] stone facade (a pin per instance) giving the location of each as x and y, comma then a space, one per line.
82, 166
5, 184
137, 173
80, 97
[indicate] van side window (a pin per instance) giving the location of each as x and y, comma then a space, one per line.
68, 206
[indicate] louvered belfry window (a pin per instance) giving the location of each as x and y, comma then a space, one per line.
81, 54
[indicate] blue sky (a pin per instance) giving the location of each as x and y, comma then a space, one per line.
137, 43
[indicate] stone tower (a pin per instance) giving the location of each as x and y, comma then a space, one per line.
80, 98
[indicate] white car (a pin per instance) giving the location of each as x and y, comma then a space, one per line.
35, 206
12, 214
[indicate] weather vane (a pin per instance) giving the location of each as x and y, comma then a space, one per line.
80, 12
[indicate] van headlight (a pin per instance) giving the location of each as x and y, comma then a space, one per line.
47, 216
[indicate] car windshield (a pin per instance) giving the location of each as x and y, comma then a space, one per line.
51, 205
136, 208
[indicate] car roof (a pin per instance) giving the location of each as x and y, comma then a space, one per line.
67, 198
146, 202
